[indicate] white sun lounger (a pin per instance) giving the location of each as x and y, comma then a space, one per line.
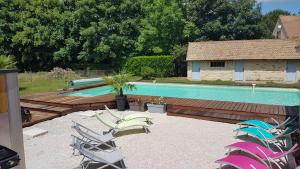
116, 127
134, 116
89, 135
97, 155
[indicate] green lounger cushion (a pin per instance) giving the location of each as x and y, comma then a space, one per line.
131, 123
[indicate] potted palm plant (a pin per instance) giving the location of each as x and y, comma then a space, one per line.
6, 62
119, 83
157, 105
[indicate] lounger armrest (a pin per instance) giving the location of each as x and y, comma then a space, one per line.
275, 121
268, 143
292, 149
75, 124
262, 134
268, 158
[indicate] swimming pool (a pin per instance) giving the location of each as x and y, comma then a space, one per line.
273, 96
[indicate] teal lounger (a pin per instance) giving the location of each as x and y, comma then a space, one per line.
266, 136
265, 125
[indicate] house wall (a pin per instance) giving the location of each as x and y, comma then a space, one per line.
213, 73
217, 73
254, 70
189, 70
282, 34
265, 70
298, 72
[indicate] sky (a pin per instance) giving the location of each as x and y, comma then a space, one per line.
292, 6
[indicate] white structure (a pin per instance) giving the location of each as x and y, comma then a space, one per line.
10, 117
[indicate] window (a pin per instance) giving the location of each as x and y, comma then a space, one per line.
217, 64
298, 48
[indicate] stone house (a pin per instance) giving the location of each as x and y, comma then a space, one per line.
287, 27
244, 60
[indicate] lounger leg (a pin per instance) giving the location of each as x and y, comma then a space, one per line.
228, 151
73, 152
104, 166
110, 130
89, 162
149, 121
146, 130
114, 131
115, 166
266, 144
109, 165
113, 144
236, 134
123, 164
81, 162
273, 161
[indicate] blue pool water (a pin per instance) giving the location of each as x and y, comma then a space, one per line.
274, 96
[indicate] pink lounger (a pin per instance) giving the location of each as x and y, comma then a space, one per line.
241, 162
262, 153
256, 149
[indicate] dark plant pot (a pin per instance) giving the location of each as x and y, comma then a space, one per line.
121, 102
134, 106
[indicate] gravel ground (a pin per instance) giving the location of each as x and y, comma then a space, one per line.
173, 143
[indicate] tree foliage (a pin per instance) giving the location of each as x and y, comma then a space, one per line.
161, 28
100, 31
224, 19
163, 66
270, 20
38, 32
42, 34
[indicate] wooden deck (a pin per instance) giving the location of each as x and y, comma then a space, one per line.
38, 117
231, 112
54, 103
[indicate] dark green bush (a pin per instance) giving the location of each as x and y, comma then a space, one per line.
179, 52
147, 73
163, 66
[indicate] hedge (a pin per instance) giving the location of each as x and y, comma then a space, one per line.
163, 66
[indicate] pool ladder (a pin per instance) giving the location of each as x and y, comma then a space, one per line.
253, 87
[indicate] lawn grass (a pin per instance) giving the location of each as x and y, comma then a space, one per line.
31, 83
28, 88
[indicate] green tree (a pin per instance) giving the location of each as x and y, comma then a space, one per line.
161, 28
224, 19
270, 19
7, 9
38, 33
43, 34
101, 31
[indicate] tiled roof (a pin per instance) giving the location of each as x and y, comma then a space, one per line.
243, 50
291, 26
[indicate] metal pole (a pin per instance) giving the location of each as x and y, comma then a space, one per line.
11, 133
